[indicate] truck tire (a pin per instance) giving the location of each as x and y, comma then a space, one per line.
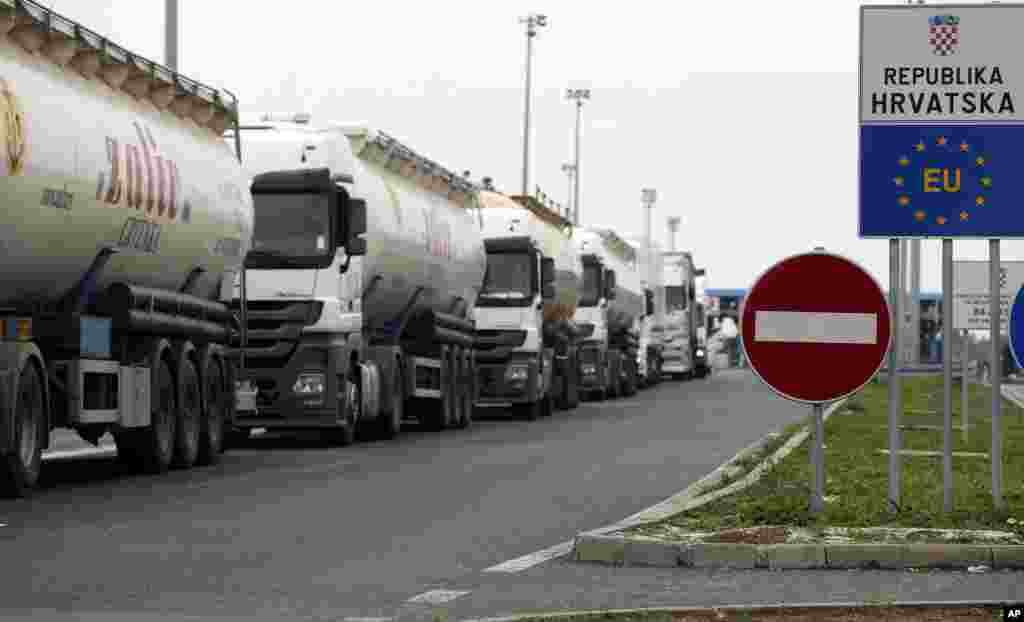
211, 439
573, 381
466, 391
345, 435
632, 380
236, 437
19, 469
153, 446
389, 425
190, 409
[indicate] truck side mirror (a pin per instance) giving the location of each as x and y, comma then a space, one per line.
354, 226
548, 291
547, 271
649, 295
609, 290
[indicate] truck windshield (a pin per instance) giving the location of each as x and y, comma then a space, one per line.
675, 298
591, 285
509, 280
290, 231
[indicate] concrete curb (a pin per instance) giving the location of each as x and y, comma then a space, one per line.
600, 546
748, 608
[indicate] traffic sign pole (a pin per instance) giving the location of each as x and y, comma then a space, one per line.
818, 456
965, 383
895, 391
947, 376
996, 373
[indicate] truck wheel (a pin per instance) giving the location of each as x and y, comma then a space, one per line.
456, 388
573, 382
344, 435
154, 444
211, 439
236, 437
547, 405
629, 384
190, 412
19, 469
467, 392
390, 424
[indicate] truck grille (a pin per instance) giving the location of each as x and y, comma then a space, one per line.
274, 329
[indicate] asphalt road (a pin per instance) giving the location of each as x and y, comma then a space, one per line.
288, 529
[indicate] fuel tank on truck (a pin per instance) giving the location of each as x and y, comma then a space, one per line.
622, 257
424, 232
92, 161
508, 216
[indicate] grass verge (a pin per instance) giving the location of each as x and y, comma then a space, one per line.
893, 613
856, 473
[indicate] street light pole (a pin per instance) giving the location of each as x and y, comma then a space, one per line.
532, 21
577, 95
673, 228
649, 196
171, 34
569, 170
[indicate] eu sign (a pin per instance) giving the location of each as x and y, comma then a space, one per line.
941, 121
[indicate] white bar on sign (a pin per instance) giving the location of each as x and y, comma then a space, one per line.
802, 327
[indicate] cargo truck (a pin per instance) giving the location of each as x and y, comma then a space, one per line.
684, 355
611, 302
524, 315
374, 323
125, 217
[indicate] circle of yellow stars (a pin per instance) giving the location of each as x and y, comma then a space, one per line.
920, 215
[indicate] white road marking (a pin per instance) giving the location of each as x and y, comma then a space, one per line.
528, 561
367, 619
437, 597
801, 327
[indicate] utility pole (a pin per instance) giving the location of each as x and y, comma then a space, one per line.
673, 228
648, 196
171, 34
577, 95
532, 21
569, 170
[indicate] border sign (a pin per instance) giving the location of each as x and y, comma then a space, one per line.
971, 302
815, 327
941, 121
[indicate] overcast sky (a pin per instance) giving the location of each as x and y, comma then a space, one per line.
742, 114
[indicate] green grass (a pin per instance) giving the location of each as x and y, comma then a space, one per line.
857, 474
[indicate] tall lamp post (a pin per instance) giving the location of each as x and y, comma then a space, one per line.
673, 228
569, 170
533, 22
171, 34
577, 95
649, 196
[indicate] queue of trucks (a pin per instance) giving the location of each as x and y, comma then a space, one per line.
177, 279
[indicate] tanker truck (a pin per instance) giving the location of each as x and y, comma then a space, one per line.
526, 338
651, 323
362, 328
611, 303
124, 220
684, 354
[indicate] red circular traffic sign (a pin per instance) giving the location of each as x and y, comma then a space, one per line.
815, 327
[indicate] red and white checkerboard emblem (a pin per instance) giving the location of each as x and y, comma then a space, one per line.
944, 34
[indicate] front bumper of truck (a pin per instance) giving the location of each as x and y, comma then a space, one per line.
512, 378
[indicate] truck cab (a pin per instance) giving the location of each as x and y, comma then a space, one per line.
513, 359
302, 321
592, 318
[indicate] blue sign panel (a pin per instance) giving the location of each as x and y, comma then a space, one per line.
1016, 328
949, 181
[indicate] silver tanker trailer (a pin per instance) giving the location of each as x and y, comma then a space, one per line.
375, 324
123, 215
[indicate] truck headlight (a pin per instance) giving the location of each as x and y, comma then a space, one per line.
309, 384
588, 369
700, 352
517, 373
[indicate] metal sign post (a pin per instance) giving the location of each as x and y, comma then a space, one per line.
996, 373
818, 458
947, 376
895, 390
965, 356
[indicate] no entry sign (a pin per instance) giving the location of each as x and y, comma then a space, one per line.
815, 327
